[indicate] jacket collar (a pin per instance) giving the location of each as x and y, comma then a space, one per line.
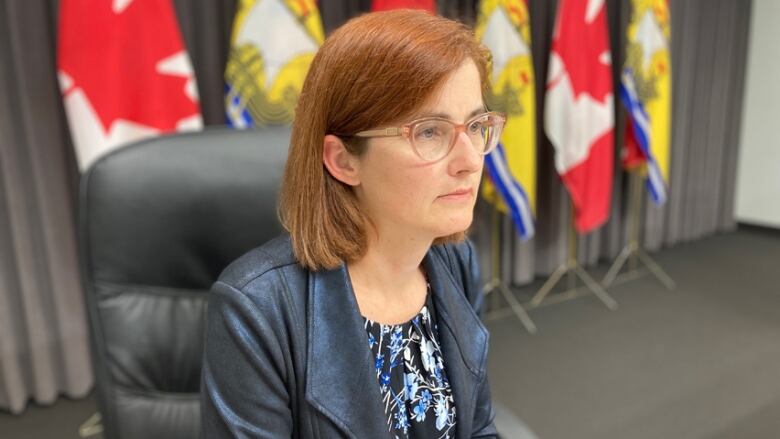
463, 340
340, 380
340, 374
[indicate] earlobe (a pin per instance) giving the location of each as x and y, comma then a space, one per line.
339, 162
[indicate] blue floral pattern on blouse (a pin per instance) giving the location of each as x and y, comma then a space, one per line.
409, 366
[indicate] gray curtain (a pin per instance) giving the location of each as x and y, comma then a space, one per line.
709, 45
44, 345
43, 336
43, 330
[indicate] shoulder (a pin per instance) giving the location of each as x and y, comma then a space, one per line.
254, 315
274, 255
266, 278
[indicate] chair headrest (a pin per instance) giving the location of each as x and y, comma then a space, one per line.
175, 210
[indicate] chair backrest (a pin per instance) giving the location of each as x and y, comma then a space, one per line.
158, 221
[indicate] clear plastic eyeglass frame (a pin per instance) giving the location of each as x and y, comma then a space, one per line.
430, 149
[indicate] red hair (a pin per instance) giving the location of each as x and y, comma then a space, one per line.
375, 70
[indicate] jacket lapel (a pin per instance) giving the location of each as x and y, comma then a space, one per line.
340, 380
463, 339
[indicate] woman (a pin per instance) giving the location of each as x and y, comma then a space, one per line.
362, 322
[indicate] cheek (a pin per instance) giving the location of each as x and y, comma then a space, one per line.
412, 190
393, 190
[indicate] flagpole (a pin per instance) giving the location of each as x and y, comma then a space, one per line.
91, 426
573, 270
633, 253
496, 284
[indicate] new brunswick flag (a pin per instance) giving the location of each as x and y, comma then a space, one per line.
503, 26
646, 91
271, 48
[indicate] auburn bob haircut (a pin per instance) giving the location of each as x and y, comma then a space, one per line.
375, 70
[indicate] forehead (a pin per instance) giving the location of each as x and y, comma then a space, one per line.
458, 97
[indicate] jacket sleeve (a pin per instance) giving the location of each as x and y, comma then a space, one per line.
468, 264
243, 391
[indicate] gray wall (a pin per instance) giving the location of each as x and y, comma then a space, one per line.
758, 176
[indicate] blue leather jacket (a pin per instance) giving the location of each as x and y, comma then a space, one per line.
287, 355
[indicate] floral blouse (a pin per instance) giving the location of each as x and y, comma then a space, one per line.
409, 366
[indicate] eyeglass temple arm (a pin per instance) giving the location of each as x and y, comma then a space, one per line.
381, 132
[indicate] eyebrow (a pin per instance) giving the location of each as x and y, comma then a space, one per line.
479, 110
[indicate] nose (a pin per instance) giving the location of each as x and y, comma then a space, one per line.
464, 157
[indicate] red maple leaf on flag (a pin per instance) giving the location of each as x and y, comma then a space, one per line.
124, 73
386, 5
579, 114
128, 58
583, 47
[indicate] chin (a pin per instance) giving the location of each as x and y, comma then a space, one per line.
457, 224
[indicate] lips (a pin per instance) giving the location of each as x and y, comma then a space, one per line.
458, 194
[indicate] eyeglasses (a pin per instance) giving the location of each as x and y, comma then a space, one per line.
432, 138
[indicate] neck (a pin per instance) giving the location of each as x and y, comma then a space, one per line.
390, 269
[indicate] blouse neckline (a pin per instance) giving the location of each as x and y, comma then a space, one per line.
426, 307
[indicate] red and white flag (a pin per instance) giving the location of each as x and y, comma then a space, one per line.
579, 112
124, 74
386, 5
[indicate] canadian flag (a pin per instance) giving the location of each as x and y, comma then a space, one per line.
386, 5
124, 74
579, 112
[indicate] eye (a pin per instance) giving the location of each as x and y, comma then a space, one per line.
429, 132
476, 127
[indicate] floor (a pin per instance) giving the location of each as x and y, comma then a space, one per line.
700, 362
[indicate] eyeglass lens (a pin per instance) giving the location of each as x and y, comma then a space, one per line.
433, 138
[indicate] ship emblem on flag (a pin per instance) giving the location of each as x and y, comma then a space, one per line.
272, 46
503, 26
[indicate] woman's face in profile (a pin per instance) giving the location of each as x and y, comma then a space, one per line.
405, 195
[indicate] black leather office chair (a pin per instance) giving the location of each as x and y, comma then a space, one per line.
159, 220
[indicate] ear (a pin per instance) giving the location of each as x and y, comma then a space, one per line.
342, 165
